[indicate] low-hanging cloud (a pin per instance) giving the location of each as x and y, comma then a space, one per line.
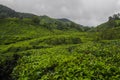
85, 12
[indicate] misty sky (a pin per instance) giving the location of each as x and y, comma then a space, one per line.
85, 12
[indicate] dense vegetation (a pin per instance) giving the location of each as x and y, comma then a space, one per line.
43, 48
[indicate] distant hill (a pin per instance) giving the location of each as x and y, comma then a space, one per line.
6, 12
109, 29
64, 20
113, 22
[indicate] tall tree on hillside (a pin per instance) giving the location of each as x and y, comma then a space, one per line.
115, 17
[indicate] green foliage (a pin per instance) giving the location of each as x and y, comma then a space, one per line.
109, 30
86, 61
58, 49
63, 40
110, 34
36, 20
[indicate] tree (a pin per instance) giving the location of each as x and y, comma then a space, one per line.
112, 23
115, 17
36, 20
110, 18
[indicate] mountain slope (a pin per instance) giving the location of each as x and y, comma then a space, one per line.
64, 20
6, 12
109, 30
44, 48
113, 22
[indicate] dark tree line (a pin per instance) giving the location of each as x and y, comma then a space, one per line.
115, 17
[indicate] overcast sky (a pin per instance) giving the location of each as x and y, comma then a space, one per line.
85, 12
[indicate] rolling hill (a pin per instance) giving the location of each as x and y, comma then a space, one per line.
110, 29
6, 12
42, 48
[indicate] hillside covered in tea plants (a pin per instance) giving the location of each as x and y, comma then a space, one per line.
42, 48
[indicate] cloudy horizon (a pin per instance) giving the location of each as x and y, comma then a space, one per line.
85, 12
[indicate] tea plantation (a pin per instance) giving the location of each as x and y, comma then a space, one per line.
57, 50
